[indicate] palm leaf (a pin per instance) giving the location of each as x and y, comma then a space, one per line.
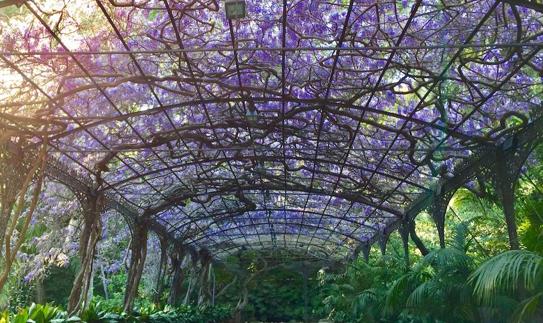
398, 293
368, 304
506, 272
527, 308
424, 295
445, 258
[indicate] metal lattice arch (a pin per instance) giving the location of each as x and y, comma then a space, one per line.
314, 126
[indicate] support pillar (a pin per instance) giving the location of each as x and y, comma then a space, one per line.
193, 276
20, 166
366, 248
204, 293
438, 211
382, 241
404, 234
505, 189
138, 249
162, 267
505, 174
354, 255
92, 206
177, 256
415, 238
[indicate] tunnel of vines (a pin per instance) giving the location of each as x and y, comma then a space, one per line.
249, 161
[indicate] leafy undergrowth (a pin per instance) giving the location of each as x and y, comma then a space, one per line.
97, 312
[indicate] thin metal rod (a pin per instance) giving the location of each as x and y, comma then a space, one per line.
280, 49
322, 116
373, 93
187, 60
155, 95
84, 70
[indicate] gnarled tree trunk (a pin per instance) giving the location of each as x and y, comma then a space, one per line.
204, 293
193, 276
18, 168
177, 258
162, 267
244, 296
92, 206
138, 249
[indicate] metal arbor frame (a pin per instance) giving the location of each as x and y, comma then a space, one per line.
309, 157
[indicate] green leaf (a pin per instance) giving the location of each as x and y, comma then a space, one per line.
506, 272
527, 308
152, 14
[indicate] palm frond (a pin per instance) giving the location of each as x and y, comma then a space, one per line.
528, 308
368, 303
399, 291
424, 295
364, 300
460, 234
447, 258
506, 272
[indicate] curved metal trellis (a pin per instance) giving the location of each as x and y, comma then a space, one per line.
346, 117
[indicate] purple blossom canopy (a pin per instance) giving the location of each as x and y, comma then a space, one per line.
308, 124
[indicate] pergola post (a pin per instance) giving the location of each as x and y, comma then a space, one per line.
138, 249
356, 252
177, 257
365, 248
162, 267
193, 274
415, 238
404, 234
438, 211
505, 174
92, 205
21, 175
505, 189
204, 292
382, 241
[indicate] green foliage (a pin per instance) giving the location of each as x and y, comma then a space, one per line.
57, 282
16, 294
36, 313
99, 313
280, 296
277, 292
531, 224
434, 289
508, 273
442, 292
116, 287
358, 294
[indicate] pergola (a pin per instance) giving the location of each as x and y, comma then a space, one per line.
313, 126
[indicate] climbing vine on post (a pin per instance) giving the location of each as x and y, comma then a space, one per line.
92, 206
204, 280
138, 249
162, 267
177, 258
21, 179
